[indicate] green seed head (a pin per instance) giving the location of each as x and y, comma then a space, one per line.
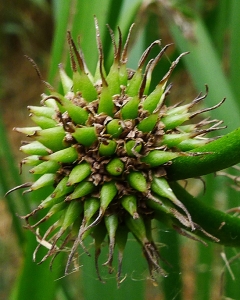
104, 146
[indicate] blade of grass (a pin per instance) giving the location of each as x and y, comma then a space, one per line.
61, 15
9, 177
217, 23
172, 284
205, 67
132, 286
234, 61
36, 280
83, 26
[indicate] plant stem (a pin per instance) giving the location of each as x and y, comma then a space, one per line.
222, 153
223, 226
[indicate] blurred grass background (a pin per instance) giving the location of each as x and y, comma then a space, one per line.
37, 28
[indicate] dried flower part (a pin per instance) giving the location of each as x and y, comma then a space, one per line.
104, 146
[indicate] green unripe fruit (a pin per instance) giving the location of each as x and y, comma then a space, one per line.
114, 128
43, 181
62, 188
82, 189
78, 114
115, 167
103, 150
86, 136
91, 206
137, 181
43, 122
45, 167
107, 148
52, 138
130, 110
133, 148
42, 111
157, 158
82, 84
74, 209
147, 124
107, 194
173, 120
129, 202
154, 99
68, 155
35, 148
79, 173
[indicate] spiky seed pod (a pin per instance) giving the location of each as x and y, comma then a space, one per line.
104, 145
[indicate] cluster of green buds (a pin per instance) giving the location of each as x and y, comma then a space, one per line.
104, 146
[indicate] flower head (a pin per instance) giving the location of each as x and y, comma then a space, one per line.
104, 146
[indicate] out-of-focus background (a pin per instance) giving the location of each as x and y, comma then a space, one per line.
37, 28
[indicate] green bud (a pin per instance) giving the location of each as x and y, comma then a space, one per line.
32, 160
129, 202
42, 111
98, 233
86, 136
178, 110
50, 102
190, 144
53, 210
107, 194
148, 124
52, 138
35, 148
137, 181
107, 148
171, 121
62, 188
121, 240
167, 213
67, 155
66, 81
130, 109
44, 180
82, 84
91, 206
43, 122
56, 208
161, 206
50, 201
115, 167
134, 84
189, 128
155, 98
157, 158
113, 79
133, 148
29, 131
73, 212
161, 187
79, 173
114, 128
106, 105
137, 227
50, 166
111, 223
78, 114
82, 189
172, 140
